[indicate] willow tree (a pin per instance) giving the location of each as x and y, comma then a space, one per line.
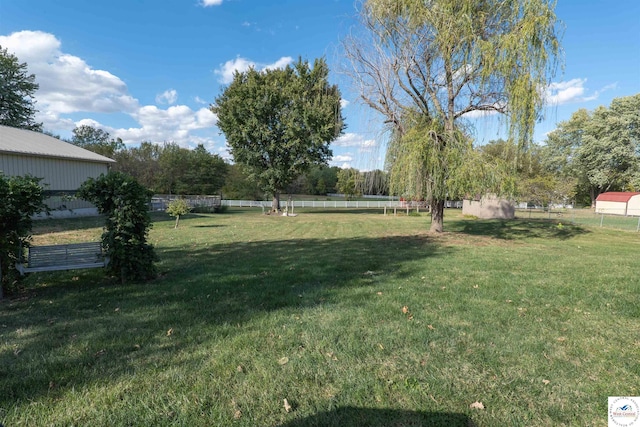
428, 66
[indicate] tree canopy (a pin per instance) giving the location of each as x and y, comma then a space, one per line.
17, 88
97, 140
279, 122
426, 66
601, 149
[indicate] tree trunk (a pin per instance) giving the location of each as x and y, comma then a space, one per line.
437, 216
275, 204
177, 221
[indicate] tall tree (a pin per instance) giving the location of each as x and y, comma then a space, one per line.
142, 163
205, 173
427, 65
279, 122
97, 140
601, 149
17, 88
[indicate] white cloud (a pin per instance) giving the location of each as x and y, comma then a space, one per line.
280, 63
339, 159
355, 140
208, 3
344, 103
565, 92
227, 70
67, 83
200, 100
572, 91
167, 97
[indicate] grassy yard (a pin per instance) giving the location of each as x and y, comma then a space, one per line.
356, 319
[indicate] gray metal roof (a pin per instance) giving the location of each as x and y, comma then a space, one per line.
21, 141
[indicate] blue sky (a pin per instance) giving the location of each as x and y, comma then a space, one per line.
147, 70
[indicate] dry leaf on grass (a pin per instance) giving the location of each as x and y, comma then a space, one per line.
287, 407
476, 405
405, 309
283, 361
430, 327
170, 332
545, 382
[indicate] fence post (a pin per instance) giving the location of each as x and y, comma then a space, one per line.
638, 227
601, 219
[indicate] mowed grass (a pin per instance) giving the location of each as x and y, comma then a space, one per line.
354, 318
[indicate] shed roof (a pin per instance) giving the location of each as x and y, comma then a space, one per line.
616, 196
22, 141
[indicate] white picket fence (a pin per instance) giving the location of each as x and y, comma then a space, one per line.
326, 204
334, 204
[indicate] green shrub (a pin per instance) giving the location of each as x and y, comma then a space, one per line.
125, 203
22, 197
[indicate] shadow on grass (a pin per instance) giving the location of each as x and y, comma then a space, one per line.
78, 328
517, 228
359, 417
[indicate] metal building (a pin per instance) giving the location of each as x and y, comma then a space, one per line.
63, 167
619, 203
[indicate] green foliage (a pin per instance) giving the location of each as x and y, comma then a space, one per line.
426, 66
16, 93
599, 149
22, 197
280, 122
171, 169
96, 140
177, 208
125, 204
240, 186
140, 162
350, 182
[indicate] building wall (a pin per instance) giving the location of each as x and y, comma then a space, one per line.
58, 174
489, 207
613, 208
633, 207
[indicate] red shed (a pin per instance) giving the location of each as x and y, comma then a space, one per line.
619, 203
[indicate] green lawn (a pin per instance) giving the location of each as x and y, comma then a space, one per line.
355, 319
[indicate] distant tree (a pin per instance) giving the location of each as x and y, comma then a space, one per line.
205, 172
239, 186
425, 66
172, 164
376, 182
17, 88
142, 163
279, 122
600, 149
350, 182
97, 140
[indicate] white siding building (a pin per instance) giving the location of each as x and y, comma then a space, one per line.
63, 167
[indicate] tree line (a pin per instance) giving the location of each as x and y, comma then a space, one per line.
423, 69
